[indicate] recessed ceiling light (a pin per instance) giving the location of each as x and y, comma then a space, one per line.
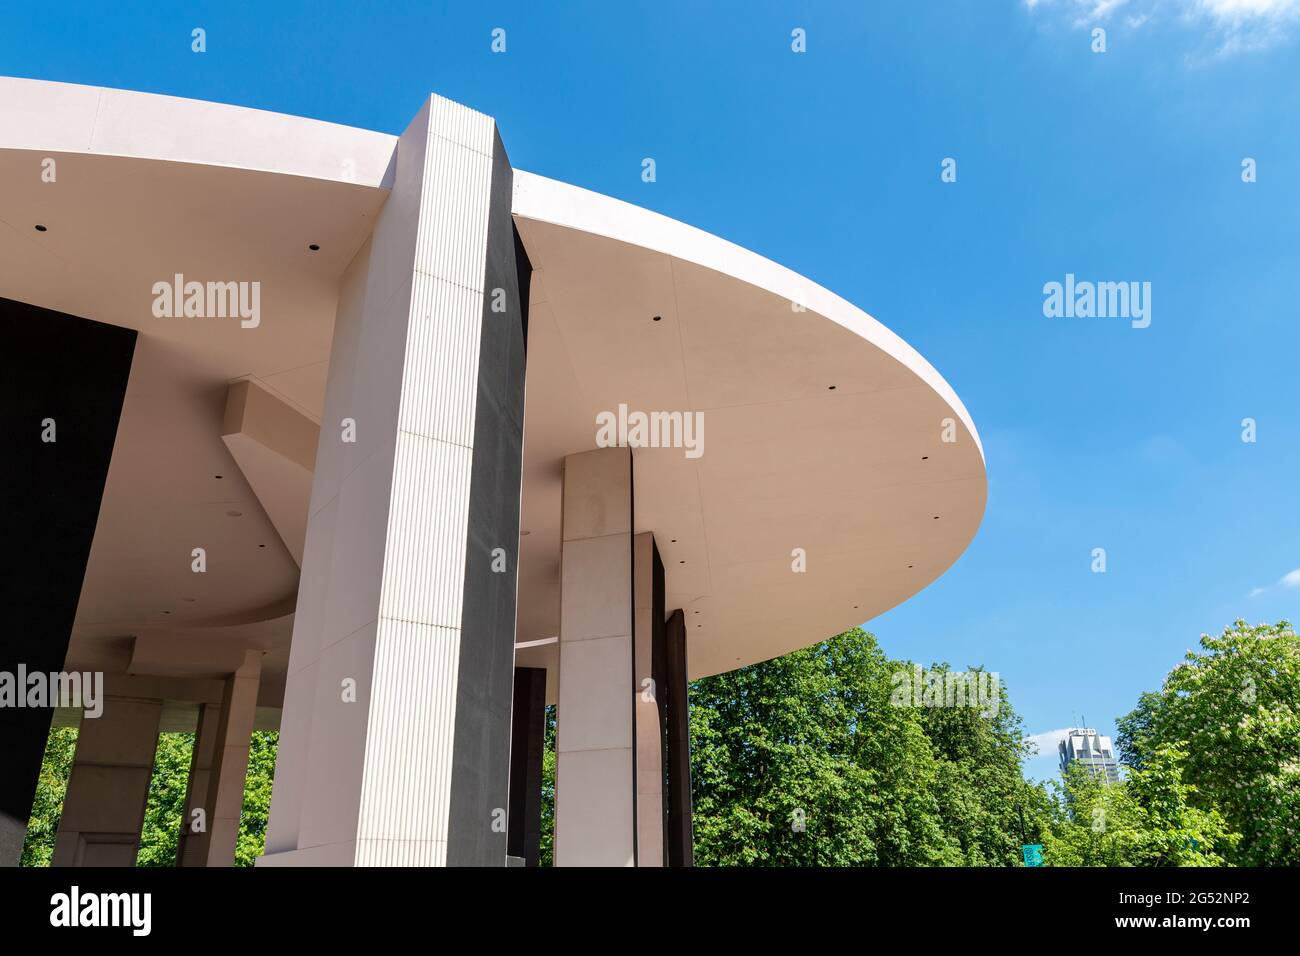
936, 517
657, 318
166, 612
681, 562
217, 476
830, 388
925, 457
40, 228
314, 247
261, 546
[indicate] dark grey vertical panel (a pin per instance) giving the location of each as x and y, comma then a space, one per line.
659, 674
681, 850
73, 371
481, 749
527, 741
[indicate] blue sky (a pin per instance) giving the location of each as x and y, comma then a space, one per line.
1117, 166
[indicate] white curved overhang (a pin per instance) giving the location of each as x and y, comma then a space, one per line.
857, 477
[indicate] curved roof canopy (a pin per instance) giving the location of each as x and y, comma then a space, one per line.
822, 429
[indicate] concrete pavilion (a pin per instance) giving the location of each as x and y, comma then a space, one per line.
328, 458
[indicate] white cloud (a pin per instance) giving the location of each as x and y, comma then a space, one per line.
1249, 8
1046, 742
1289, 580
1233, 26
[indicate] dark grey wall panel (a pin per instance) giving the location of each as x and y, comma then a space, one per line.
681, 851
527, 743
73, 371
481, 749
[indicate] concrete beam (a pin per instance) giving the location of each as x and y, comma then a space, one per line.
274, 445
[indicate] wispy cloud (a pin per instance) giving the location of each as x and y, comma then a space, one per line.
1046, 742
1289, 580
1231, 26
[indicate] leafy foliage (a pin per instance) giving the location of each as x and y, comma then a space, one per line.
47, 805
160, 833
166, 804
1233, 709
547, 855
1145, 820
257, 797
813, 738
811, 759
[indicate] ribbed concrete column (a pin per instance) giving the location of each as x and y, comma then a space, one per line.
103, 810
595, 784
394, 745
223, 740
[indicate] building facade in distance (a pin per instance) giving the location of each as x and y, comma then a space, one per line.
1085, 746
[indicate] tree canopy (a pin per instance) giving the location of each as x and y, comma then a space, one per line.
1233, 709
811, 759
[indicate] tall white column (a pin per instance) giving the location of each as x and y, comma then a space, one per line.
103, 810
595, 784
395, 735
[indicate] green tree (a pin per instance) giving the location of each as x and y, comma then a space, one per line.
257, 797
1234, 709
166, 802
819, 737
980, 788
160, 833
47, 805
1147, 819
547, 855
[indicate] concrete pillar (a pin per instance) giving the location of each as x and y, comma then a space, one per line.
394, 742
595, 785
62, 382
103, 811
648, 646
222, 743
189, 851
